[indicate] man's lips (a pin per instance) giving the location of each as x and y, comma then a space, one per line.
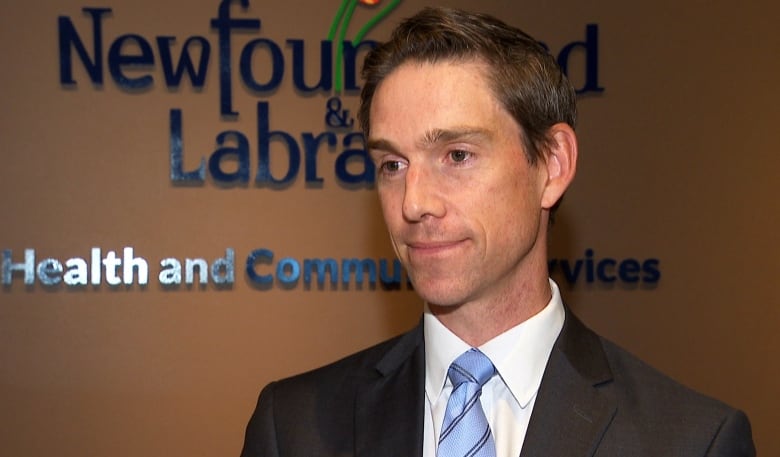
432, 247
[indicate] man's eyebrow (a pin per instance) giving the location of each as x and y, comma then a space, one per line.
380, 144
432, 138
438, 136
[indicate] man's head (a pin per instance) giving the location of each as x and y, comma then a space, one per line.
522, 75
466, 190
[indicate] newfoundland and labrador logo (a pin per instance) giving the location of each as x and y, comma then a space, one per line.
328, 69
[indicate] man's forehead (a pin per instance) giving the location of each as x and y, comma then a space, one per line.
446, 85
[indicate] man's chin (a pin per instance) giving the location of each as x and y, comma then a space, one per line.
445, 290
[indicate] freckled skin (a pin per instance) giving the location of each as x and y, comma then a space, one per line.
466, 212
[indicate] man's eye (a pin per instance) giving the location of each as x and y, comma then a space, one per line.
459, 156
391, 166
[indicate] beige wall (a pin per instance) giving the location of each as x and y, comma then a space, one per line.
678, 163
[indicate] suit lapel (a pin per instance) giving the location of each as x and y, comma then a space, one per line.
389, 405
570, 415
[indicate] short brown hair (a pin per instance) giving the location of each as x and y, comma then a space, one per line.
523, 76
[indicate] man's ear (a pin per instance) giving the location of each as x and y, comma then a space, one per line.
560, 163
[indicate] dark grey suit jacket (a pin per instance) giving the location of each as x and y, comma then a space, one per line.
595, 400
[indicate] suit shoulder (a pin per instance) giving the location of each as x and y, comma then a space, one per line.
313, 413
366, 363
650, 403
642, 380
649, 412
659, 401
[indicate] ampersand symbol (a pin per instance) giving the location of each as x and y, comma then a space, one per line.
335, 116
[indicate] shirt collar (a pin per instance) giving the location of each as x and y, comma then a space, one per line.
520, 354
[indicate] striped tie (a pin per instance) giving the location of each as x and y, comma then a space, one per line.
465, 431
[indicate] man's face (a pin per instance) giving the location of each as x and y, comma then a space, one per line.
461, 202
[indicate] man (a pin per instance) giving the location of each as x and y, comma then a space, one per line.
470, 124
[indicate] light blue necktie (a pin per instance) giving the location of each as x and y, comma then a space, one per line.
465, 431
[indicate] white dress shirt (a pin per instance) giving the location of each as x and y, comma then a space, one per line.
520, 355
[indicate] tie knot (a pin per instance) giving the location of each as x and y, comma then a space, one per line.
472, 366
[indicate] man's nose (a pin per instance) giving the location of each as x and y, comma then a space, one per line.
422, 195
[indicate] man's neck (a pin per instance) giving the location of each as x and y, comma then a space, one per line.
479, 321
